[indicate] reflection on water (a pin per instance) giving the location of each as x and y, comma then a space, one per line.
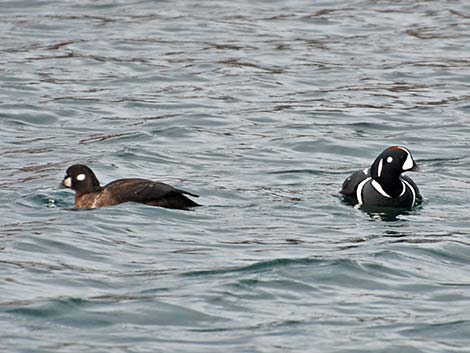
388, 216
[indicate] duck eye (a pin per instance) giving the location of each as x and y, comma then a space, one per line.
390, 159
81, 177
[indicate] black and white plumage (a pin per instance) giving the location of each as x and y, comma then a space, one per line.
89, 193
382, 184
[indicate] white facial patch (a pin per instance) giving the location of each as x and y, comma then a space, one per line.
67, 182
390, 159
379, 167
408, 163
81, 177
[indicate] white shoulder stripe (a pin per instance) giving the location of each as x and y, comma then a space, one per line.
403, 190
359, 191
413, 192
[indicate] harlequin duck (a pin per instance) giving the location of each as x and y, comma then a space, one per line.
89, 193
383, 185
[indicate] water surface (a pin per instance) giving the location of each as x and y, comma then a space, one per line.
262, 108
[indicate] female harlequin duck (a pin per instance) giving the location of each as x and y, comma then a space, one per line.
383, 185
89, 193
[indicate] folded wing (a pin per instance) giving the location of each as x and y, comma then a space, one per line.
151, 193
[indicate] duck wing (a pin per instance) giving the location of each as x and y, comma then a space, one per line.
142, 190
350, 184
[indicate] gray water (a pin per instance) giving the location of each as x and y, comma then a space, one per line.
263, 108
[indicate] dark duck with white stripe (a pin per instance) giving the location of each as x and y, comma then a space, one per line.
89, 193
383, 185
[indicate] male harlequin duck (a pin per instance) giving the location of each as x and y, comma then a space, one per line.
383, 185
89, 193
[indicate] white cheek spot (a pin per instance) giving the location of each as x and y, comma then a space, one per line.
81, 177
67, 182
390, 159
408, 163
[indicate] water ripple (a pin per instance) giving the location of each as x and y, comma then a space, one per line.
263, 109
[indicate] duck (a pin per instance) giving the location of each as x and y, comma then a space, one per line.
383, 184
89, 194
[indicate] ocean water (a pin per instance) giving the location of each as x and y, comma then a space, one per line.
262, 108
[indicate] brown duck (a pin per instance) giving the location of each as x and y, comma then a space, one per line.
89, 193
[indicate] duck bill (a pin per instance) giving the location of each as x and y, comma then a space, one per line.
66, 183
415, 168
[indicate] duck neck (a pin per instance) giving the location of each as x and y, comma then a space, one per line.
92, 186
391, 185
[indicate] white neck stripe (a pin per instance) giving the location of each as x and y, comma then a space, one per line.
413, 192
359, 191
379, 189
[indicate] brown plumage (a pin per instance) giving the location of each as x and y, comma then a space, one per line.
89, 193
